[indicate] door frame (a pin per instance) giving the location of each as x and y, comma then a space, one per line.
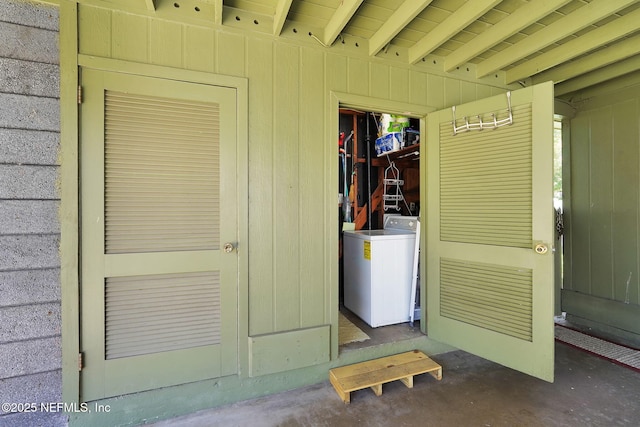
70, 137
339, 100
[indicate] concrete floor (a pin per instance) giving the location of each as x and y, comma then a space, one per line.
588, 391
381, 335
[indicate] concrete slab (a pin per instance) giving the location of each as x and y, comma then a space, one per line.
587, 391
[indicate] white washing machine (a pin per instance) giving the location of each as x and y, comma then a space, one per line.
378, 269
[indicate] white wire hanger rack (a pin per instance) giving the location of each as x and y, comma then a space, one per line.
392, 195
493, 123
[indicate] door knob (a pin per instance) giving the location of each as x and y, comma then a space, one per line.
228, 247
541, 248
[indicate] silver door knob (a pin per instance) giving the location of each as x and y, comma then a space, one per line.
228, 247
541, 248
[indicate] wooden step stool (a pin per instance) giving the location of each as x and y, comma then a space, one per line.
374, 373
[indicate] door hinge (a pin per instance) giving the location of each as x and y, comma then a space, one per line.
80, 366
79, 94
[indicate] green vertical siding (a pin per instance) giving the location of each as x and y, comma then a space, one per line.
286, 195
129, 37
418, 84
579, 263
358, 76
312, 102
601, 202
399, 84
602, 254
380, 82
435, 90
261, 213
165, 38
626, 201
290, 281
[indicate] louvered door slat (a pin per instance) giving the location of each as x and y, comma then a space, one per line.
161, 174
489, 296
147, 314
485, 184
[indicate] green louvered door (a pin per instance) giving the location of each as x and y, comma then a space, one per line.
158, 171
489, 291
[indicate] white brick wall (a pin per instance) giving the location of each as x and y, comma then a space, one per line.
30, 330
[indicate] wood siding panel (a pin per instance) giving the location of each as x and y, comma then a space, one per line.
399, 84
603, 242
288, 350
336, 72
165, 43
129, 37
452, 92
231, 54
312, 186
419, 85
90, 20
435, 91
358, 73
199, 46
578, 240
261, 189
288, 94
601, 203
286, 195
380, 83
483, 91
468, 92
626, 201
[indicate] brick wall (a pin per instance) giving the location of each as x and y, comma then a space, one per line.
30, 344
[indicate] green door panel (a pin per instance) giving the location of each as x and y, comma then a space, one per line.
490, 204
159, 296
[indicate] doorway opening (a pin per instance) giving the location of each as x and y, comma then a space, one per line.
378, 210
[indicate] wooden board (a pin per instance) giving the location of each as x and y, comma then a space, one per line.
374, 373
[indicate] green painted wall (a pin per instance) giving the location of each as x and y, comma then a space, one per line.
289, 84
602, 243
292, 177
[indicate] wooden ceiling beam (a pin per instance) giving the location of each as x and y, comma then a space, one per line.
339, 20
282, 10
396, 23
217, 11
601, 36
598, 76
619, 84
458, 20
576, 21
614, 53
519, 19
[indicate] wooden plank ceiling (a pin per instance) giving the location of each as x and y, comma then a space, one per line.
575, 43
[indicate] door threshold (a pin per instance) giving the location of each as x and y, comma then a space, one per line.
391, 334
